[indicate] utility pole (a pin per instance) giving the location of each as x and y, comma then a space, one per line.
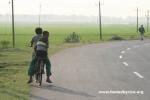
137, 20
13, 25
100, 22
40, 14
147, 16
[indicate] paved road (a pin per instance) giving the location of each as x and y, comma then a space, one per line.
88, 72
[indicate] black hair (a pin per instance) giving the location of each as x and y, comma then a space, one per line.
46, 33
38, 30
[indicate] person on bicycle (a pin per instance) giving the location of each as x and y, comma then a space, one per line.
41, 50
36, 38
34, 41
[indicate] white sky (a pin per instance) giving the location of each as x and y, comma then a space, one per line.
119, 8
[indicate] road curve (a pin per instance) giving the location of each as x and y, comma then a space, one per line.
88, 72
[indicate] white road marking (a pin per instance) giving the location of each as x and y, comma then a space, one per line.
146, 44
125, 63
122, 52
139, 75
128, 48
120, 57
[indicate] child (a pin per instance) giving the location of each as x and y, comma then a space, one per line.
34, 40
41, 50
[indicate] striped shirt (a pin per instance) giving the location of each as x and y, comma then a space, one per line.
36, 38
41, 46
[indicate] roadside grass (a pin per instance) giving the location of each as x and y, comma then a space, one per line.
14, 62
13, 68
13, 71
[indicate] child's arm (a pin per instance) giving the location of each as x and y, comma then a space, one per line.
35, 48
47, 42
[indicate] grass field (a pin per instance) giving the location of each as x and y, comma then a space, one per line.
60, 31
14, 62
13, 67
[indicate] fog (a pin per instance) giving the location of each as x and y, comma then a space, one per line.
113, 8
51, 19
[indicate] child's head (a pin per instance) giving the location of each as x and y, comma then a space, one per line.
46, 33
38, 30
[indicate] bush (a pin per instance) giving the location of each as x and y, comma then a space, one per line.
116, 37
4, 44
72, 38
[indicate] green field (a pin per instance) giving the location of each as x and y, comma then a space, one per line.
14, 62
88, 32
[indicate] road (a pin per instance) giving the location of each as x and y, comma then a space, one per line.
98, 71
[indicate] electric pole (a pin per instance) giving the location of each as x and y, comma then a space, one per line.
137, 20
147, 20
100, 23
40, 14
13, 25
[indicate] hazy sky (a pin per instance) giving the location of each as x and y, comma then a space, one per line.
118, 8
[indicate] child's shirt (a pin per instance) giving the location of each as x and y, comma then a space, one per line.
35, 39
42, 44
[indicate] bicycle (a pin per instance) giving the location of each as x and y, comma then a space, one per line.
39, 70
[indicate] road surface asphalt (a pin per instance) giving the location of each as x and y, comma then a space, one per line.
106, 71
